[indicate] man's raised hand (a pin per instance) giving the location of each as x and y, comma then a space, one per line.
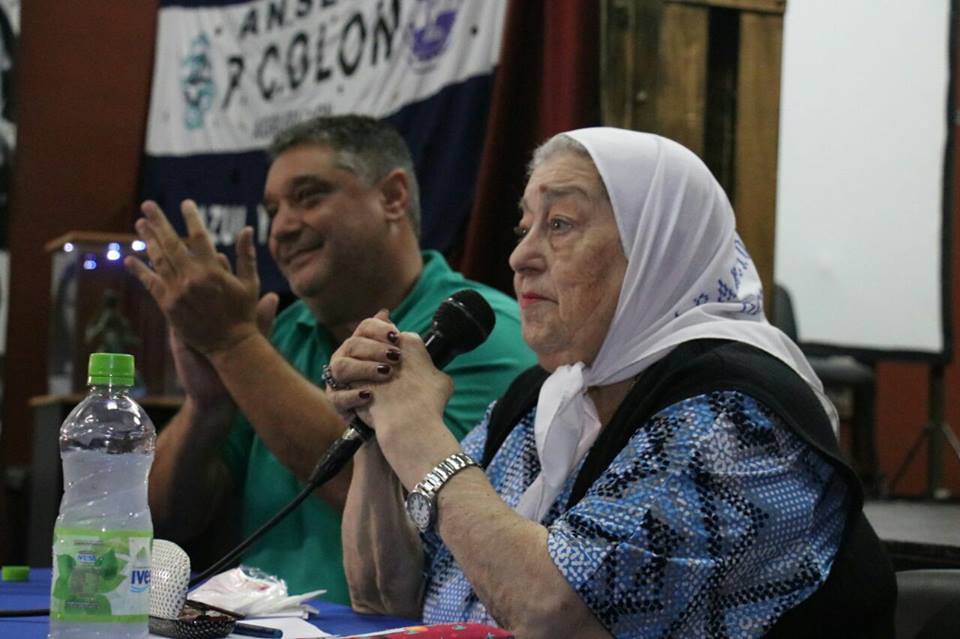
211, 308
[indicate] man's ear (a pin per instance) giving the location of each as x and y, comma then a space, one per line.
395, 194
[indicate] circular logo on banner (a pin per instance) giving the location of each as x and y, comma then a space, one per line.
429, 29
196, 82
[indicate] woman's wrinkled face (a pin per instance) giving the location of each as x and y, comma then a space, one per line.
568, 264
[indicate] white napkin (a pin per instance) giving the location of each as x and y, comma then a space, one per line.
253, 593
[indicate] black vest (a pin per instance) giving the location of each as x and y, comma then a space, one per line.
859, 595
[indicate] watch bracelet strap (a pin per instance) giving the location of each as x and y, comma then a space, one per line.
434, 480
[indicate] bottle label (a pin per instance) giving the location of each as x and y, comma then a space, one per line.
100, 576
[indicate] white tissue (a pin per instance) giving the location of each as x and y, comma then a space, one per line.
253, 593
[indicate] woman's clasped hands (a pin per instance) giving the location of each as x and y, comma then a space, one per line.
386, 377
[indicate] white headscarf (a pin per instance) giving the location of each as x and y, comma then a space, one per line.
688, 277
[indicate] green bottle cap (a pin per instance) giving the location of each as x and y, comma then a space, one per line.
16, 573
115, 369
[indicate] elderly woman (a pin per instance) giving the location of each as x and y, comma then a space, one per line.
669, 469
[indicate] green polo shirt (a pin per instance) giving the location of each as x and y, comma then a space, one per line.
305, 549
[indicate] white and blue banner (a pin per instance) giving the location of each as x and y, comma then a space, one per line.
230, 74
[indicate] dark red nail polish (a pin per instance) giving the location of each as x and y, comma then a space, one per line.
365, 394
393, 337
393, 355
383, 369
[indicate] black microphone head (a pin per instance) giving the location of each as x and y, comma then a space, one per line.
464, 319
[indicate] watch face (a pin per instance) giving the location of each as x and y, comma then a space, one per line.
420, 510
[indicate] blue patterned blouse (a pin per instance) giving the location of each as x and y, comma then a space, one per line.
711, 522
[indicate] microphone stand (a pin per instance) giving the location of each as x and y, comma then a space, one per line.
441, 350
465, 315
329, 465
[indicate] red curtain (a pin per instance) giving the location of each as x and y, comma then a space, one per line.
547, 81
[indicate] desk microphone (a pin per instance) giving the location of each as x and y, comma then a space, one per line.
462, 322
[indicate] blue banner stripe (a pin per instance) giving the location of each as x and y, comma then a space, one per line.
445, 134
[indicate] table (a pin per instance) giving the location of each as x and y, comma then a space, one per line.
35, 593
917, 534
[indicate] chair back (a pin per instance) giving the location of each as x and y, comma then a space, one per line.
928, 604
783, 316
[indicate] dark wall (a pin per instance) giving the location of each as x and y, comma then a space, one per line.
83, 79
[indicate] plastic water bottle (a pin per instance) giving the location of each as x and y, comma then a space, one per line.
102, 538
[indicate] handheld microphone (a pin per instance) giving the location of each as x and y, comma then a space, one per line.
462, 322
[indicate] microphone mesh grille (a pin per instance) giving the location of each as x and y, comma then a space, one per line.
169, 576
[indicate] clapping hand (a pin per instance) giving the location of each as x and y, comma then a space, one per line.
210, 307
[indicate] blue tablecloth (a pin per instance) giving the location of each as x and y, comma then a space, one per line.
35, 593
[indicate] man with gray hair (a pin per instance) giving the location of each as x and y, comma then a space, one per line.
344, 207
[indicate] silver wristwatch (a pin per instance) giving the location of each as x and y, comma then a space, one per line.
422, 500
